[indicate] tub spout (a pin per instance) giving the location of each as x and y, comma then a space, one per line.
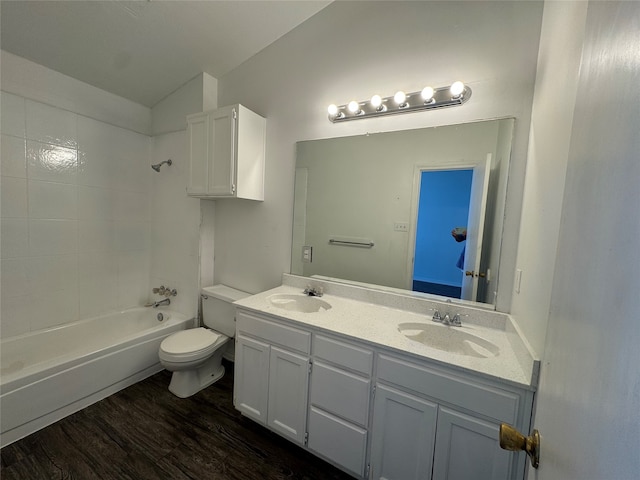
166, 301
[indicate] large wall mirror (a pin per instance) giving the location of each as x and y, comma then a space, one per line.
392, 209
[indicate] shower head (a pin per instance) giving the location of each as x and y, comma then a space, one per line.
157, 166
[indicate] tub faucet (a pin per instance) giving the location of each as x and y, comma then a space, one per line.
166, 301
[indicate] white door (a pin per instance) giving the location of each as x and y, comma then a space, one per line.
199, 144
403, 433
251, 378
468, 448
475, 229
288, 387
588, 401
222, 171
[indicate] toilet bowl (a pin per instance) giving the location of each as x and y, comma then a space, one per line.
195, 355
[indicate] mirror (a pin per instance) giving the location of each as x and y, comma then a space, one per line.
364, 206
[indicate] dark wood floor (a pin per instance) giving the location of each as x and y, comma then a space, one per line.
145, 432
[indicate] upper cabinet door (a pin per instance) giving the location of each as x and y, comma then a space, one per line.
198, 138
222, 174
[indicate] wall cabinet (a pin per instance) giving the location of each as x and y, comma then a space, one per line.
226, 153
373, 413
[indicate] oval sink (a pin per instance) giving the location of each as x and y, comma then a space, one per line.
449, 339
298, 303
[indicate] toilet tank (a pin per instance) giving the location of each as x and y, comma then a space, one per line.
218, 311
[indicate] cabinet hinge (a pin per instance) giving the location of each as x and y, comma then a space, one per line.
234, 114
367, 471
373, 391
310, 367
306, 438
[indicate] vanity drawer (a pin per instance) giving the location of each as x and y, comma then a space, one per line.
343, 354
340, 392
501, 405
338, 441
272, 332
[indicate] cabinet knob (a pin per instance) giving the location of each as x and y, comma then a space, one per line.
512, 439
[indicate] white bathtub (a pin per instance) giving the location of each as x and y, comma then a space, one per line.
49, 374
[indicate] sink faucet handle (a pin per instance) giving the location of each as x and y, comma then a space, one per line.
456, 321
436, 316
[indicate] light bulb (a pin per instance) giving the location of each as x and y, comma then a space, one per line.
400, 98
427, 94
456, 89
376, 101
353, 107
333, 109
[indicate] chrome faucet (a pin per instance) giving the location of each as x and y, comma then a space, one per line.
313, 291
160, 303
447, 319
165, 291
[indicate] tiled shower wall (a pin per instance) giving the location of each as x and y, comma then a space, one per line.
76, 216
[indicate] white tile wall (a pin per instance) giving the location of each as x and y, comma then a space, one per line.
176, 222
75, 213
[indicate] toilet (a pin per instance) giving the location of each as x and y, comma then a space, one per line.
195, 355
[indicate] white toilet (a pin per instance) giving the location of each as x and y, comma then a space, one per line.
195, 355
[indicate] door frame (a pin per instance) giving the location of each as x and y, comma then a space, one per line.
415, 201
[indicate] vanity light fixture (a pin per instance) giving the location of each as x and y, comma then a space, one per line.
427, 99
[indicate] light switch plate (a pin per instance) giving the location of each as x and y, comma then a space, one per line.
307, 253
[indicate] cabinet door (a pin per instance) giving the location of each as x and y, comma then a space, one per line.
198, 138
468, 447
222, 168
403, 434
288, 386
251, 378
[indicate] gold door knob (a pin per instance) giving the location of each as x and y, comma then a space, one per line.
512, 439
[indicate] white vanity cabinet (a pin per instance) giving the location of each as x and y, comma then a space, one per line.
431, 423
372, 411
272, 374
339, 399
226, 153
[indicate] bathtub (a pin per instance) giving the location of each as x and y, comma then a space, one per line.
49, 374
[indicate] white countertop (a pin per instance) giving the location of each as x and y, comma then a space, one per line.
378, 325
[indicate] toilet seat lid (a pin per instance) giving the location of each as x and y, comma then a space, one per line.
192, 340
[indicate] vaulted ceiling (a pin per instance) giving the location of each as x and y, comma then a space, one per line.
144, 50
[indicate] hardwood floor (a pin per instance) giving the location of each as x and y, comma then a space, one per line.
145, 432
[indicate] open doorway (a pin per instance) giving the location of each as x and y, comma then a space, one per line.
443, 205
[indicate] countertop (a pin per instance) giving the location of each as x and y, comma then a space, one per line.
378, 325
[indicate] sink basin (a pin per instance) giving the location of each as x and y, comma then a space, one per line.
298, 303
449, 339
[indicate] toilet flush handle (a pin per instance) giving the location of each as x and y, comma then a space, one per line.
204, 297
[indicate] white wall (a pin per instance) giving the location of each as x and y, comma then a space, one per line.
353, 50
589, 394
176, 219
197, 95
30, 80
87, 226
76, 197
551, 122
